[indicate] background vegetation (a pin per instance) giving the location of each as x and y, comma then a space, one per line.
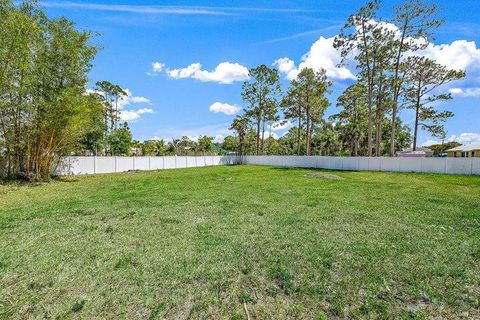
47, 111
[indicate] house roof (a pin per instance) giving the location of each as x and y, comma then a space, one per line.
466, 147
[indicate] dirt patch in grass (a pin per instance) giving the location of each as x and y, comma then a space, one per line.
323, 175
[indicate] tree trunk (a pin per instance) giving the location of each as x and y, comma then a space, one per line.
396, 91
417, 111
393, 129
308, 133
257, 147
263, 137
369, 134
415, 130
298, 134
378, 141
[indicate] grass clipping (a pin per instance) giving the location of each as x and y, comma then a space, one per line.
323, 175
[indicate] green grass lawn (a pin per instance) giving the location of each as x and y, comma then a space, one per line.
202, 242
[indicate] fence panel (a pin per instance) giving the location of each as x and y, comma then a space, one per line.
92, 165
125, 164
399, 164
476, 166
141, 163
170, 162
156, 163
201, 161
389, 164
350, 163
363, 163
410, 165
458, 166
81, 165
191, 162
374, 164
104, 164
433, 165
181, 162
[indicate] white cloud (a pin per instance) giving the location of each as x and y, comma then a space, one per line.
458, 55
158, 66
281, 125
131, 99
322, 54
170, 10
463, 138
132, 115
286, 66
224, 73
465, 92
430, 143
134, 99
185, 72
466, 137
225, 108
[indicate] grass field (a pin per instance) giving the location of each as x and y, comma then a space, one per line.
205, 242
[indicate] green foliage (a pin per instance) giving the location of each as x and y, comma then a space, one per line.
283, 278
44, 112
441, 148
261, 94
205, 143
306, 99
230, 143
78, 305
120, 141
154, 148
245, 297
425, 77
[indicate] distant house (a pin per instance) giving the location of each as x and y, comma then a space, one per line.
419, 153
465, 151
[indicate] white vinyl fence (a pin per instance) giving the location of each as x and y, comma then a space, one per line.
470, 166
93, 165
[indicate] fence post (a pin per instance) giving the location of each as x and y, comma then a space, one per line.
116, 168
133, 159
175, 161
94, 164
149, 163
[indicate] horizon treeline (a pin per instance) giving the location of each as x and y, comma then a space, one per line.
391, 75
46, 110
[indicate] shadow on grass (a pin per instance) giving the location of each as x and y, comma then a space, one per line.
310, 169
67, 179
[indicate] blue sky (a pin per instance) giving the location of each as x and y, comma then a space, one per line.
201, 50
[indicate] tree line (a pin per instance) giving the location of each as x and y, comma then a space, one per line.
46, 111
391, 75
